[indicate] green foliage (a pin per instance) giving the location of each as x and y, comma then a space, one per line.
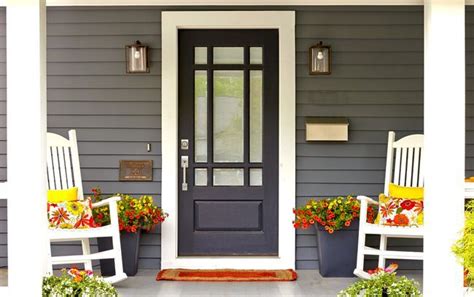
464, 247
229, 84
382, 282
334, 213
133, 213
68, 285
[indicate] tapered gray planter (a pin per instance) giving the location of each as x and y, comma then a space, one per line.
130, 243
338, 251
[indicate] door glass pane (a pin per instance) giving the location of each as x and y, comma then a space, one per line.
256, 176
228, 176
255, 55
256, 116
200, 55
200, 116
200, 177
228, 55
228, 116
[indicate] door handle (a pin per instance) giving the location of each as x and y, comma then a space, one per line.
184, 165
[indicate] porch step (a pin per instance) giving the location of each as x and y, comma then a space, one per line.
109, 254
394, 254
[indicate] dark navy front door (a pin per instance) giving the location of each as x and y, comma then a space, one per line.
228, 142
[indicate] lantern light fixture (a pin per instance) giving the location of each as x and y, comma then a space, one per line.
320, 59
137, 58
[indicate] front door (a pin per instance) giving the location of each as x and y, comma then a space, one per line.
228, 142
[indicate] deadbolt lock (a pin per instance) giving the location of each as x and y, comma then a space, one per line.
184, 144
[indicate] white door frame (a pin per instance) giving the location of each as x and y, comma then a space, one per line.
284, 21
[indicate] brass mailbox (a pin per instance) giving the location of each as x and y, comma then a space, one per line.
327, 129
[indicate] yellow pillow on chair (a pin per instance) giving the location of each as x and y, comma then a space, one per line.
411, 193
57, 196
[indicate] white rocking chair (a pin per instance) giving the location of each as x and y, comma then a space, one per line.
405, 168
64, 172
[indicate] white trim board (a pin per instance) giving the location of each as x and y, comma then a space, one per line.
231, 3
284, 21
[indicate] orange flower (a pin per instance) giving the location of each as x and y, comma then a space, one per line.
59, 216
347, 223
387, 209
331, 231
401, 220
418, 207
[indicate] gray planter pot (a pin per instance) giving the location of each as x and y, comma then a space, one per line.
338, 251
130, 244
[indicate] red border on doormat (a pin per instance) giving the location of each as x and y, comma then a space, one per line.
226, 275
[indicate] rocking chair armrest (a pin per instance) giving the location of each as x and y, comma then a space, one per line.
106, 201
367, 199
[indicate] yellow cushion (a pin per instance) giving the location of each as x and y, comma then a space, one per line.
405, 192
57, 196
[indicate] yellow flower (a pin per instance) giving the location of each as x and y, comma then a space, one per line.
76, 208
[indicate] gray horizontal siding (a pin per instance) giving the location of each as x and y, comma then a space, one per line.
115, 114
377, 82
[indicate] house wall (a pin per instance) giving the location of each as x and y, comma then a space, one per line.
377, 82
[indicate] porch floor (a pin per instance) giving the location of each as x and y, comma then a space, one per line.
309, 283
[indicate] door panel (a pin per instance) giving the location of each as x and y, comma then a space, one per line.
228, 113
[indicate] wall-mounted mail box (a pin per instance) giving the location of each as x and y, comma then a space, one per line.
327, 129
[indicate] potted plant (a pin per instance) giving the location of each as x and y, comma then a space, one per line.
74, 282
134, 215
385, 283
463, 248
337, 250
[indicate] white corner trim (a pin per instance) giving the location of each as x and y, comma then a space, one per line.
284, 21
26, 93
442, 18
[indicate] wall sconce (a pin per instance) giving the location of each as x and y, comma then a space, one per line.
137, 58
320, 59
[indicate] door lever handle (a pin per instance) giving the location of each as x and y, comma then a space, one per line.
184, 165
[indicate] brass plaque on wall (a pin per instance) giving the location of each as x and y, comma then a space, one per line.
136, 170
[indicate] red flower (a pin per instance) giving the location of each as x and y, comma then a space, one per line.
347, 223
407, 204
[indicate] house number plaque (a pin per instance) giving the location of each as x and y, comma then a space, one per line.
136, 170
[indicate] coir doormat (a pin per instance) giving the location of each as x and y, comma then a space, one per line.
226, 275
